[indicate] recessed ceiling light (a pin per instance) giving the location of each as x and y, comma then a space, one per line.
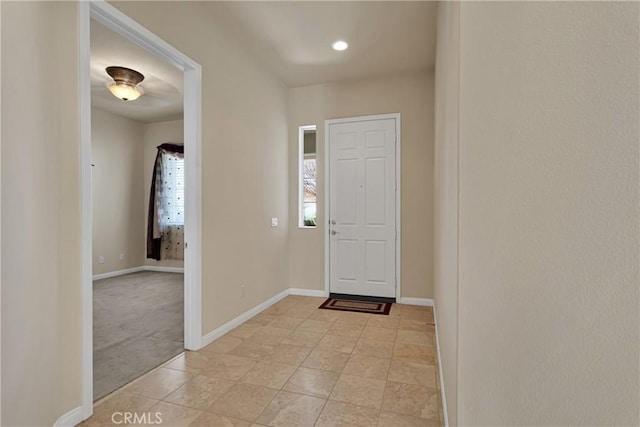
340, 45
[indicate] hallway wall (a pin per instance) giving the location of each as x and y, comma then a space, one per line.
548, 205
445, 268
41, 322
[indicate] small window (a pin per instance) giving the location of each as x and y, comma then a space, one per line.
307, 177
173, 189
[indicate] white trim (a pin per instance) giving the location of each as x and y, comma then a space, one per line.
443, 395
158, 268
424, 302
118, 273
398, 205
193, 207
307, 292
84, 104
327, 161
218, 332
327, 220
161, 269
115, 20
70, 419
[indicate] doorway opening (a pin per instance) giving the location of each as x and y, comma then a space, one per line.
116, 196
138, 295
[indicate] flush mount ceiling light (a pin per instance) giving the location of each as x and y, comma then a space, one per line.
124, 83
340, 45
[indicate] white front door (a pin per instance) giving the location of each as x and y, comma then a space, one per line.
362, 207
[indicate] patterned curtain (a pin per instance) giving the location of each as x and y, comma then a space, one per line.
165, 230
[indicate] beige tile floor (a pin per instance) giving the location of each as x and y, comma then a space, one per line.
295, 365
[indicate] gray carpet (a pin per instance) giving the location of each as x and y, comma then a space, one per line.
138, 323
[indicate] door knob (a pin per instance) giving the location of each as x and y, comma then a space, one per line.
334, 232
333, 222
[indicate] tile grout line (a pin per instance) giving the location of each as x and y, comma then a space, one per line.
386, 383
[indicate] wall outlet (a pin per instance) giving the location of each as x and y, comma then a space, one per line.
100, 259
274, 222
121, 257
242, 291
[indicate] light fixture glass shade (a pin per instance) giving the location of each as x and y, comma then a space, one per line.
124, 91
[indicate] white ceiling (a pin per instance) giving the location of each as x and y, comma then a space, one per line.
163, 84
294, 38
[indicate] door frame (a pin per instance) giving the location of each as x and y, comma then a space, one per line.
327, 198
117, 21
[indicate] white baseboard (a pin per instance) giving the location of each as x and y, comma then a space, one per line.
70, 419
164, 269
307, 292
118, 273
425, 302
218, 332
138, 269
443, 395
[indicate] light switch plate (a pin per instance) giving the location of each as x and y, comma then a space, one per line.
274, 222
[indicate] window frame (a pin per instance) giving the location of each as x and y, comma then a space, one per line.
301, 130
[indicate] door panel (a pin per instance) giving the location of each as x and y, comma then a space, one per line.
375, 191
362, 211
375, 254
347, 259
347, 199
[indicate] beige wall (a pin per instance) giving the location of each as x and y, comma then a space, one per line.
548, 214
244, 160
154, 135
445, 269
306, 245
412, 96
41, 324
118, 191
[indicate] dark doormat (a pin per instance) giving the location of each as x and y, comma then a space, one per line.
357, 306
